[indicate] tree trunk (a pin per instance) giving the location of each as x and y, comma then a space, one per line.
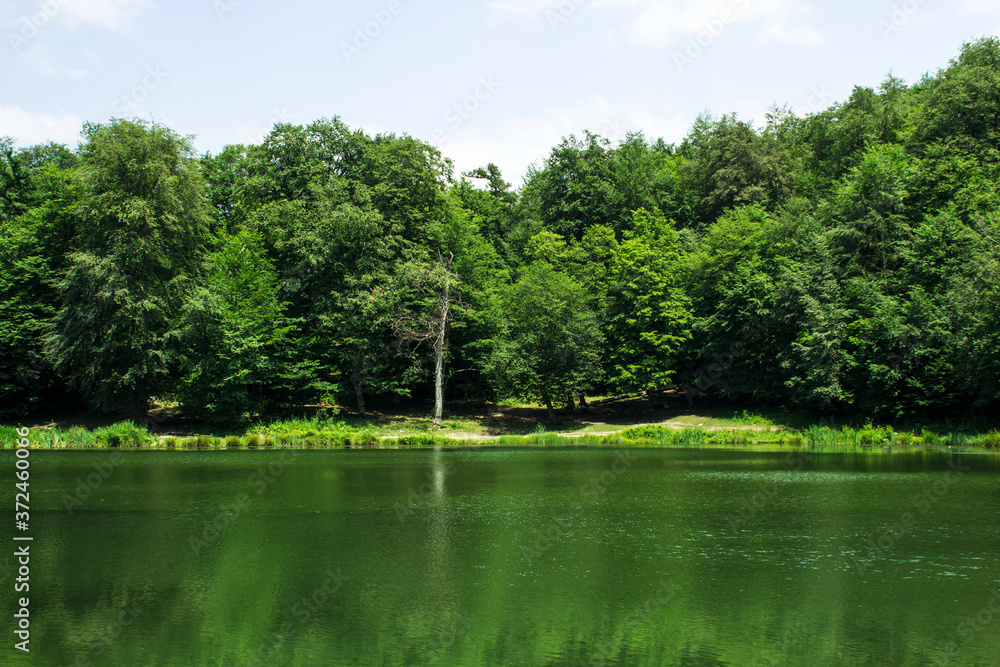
570, 405
356, 381
439, 354
548, 406
583, 403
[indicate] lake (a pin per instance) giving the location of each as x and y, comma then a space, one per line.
510, 557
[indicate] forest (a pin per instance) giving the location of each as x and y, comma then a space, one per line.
846, 260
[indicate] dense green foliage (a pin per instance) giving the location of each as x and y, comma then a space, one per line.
849, 259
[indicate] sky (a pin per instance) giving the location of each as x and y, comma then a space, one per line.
498, 81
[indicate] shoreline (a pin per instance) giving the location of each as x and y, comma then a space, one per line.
645, 436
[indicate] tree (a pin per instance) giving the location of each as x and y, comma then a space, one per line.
871, 206
142, 227
743, 326
492, 207
963, 101
38, 193
732, 165
551, 346
235, 334
647, 316
428, 319
342, 213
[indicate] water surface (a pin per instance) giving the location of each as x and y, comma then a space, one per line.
511, 557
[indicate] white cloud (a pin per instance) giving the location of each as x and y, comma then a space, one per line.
980, 6
805, 35
33, 127
672, 22
666, 23
523, 8
248, 134
92, 57
36, 57
116, 15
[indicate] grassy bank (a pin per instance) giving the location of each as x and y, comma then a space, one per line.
325, 433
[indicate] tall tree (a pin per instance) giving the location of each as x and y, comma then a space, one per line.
731, 164
647, 315
552, 343
235, 334
38, 195
140, 242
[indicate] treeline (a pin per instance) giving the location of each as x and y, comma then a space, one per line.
843, 260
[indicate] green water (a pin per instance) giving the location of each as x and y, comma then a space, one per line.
509, 557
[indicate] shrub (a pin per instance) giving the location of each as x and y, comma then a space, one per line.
233, 442
123, 434
930, 438
957, 440
648, 433
47, 438
848, 436
822, 435
366, 439
78, 437
416, 440
991, 440
748, 418
690, 436
869, 435
8, 437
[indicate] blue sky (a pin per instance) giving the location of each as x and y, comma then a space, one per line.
500, 80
